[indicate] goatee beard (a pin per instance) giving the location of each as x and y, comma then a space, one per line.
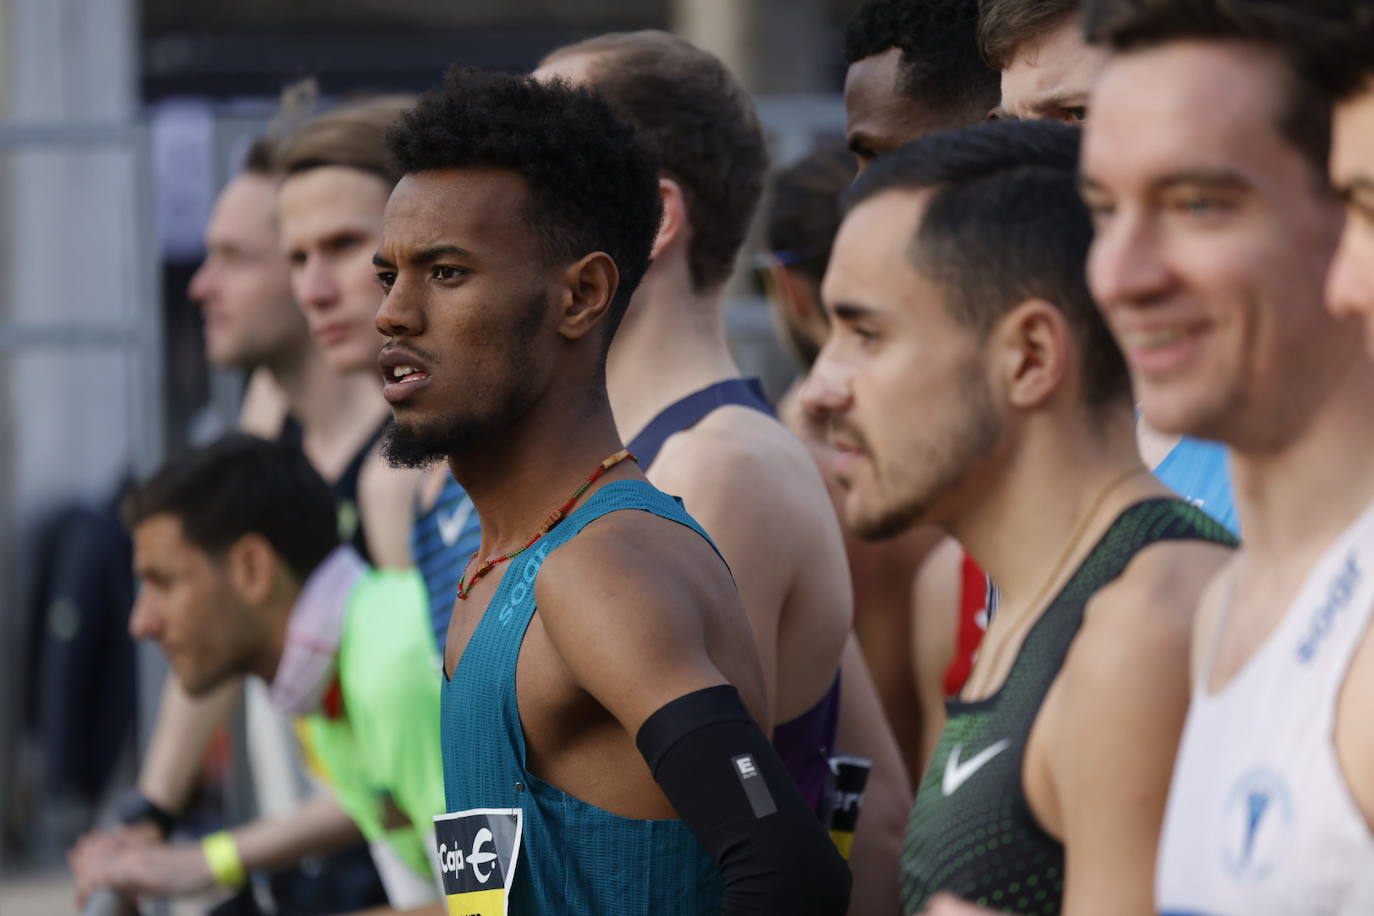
418, 446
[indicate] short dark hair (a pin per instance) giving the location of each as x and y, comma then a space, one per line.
704, 126
941, 67
243, 485
1291, 27
1006, 25
1005, 224
592, 178
1336, 51
352, 135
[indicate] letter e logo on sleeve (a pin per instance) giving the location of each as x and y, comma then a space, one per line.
478, 852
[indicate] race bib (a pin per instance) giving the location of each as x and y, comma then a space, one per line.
478, 852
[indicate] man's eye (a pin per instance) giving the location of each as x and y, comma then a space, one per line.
448, 273
386, 279
1076, 114
1200, 207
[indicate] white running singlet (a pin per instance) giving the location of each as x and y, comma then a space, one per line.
1260, 819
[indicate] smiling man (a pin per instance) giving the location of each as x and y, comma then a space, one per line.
971, 384
598, 726
1205, 164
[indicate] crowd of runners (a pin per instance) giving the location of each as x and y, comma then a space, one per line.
1046, 588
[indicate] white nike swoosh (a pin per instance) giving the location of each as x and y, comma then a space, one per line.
451, 527
956, 775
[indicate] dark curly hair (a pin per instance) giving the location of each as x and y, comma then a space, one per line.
592, 177
243, 485
941, 66
1005, 224
705, 130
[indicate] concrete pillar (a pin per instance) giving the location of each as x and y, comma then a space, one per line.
69, 252
772, 46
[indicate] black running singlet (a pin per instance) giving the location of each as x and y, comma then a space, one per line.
972, 831
345, 486
691, 410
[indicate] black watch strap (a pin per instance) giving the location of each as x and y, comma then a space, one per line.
135, 808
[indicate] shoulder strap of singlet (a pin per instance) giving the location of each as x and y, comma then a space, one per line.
627, 494
691, 410
1138, 526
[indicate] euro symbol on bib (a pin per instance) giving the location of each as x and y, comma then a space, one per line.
478, 852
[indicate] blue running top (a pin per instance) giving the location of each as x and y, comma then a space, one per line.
442, 541
574, 857
1196, 469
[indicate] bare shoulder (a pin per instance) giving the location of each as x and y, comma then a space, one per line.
738, 448
641, 609
1157, 595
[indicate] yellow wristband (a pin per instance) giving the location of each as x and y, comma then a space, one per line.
223, 858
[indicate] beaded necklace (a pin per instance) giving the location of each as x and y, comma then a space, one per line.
465, 585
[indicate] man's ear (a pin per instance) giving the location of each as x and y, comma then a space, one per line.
589, 285
674, 225
253, 567
1032, 348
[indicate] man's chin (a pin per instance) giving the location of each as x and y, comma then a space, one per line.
411, 445
872, 524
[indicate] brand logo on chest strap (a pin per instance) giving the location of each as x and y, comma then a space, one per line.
956, 774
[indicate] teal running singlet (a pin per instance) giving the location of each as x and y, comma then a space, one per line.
972, 831
574, 857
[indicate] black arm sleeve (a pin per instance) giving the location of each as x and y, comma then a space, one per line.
730, 788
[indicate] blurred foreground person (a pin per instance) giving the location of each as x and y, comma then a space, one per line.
252, 322
601, 678
1205, 165
970, 383
242, 572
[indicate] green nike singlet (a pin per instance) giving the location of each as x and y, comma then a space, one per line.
972, 831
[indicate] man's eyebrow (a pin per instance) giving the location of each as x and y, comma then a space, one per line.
438, 253
848, 311
1068, 98
426, 255
1217, 178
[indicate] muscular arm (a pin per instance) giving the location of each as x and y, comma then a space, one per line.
756, 491
1101, 755
864, 732
652, 635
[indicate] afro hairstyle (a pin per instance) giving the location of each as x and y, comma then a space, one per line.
591, 176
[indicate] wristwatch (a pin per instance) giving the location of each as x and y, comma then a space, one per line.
135, 808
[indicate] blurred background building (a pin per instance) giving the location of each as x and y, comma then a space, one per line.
119, 121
